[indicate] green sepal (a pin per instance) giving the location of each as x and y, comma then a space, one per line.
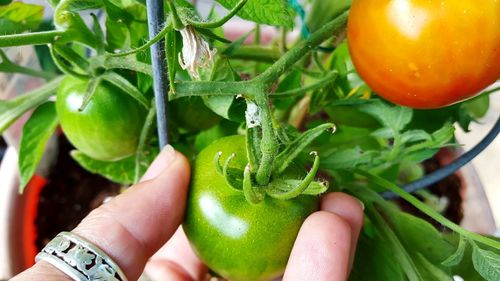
252, 194
293, 149
284, 189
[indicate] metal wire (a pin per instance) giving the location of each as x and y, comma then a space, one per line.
161, 85
450, 168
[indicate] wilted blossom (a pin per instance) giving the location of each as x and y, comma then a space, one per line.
195, 52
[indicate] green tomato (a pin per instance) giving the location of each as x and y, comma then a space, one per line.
236, 239
108, 128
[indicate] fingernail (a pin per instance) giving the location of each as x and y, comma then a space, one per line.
162, 161
360, 203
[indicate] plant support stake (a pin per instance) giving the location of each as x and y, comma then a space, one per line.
156, 18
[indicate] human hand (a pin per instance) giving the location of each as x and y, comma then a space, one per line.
134, 225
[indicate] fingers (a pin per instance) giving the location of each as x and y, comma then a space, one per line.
135, 224
348, 208
326, 241
176, 259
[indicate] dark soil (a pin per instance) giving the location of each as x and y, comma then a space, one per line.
449, 187
71, 193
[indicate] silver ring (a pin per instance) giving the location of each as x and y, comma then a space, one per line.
79, 259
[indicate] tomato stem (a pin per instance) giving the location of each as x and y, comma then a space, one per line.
428, 210
36, 38
176, 20
8, 66
221, 21
269, 145
301, 49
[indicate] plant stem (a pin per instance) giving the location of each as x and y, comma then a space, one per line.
256, 53
144, 47
428, 210
329, 78
223, 20
269, 144
208, 88
145, 132
296, 53
176, 20
12, 109
36, 38
8, 66
126, 63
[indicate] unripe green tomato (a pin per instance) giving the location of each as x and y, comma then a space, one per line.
110, 125
236, 239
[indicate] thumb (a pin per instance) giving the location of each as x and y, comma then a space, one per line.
134, 225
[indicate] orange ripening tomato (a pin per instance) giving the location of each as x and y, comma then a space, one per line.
425, 54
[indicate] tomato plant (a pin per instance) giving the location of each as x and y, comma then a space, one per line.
236, 239
425, 54
273, 103
108, 128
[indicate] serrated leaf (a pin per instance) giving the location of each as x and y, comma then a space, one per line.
121, 171
487, 263
271, 12
347, 158
415, 135
36, 133
394, 117
19, 17
457, 257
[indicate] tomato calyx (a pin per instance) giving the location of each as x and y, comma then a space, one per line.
281, 186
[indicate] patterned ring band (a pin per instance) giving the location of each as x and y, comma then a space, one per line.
79, 259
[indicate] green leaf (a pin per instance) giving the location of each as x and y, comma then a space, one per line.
420, 236
457, 257
347, 158
487, 263
478, 106
121, 171
430, 271
11, 110
36, 132
393, 241
375, 260
274, 12
394, 117
173, 41
341, 61
81, 5
19, 17
229, 107
126, 87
